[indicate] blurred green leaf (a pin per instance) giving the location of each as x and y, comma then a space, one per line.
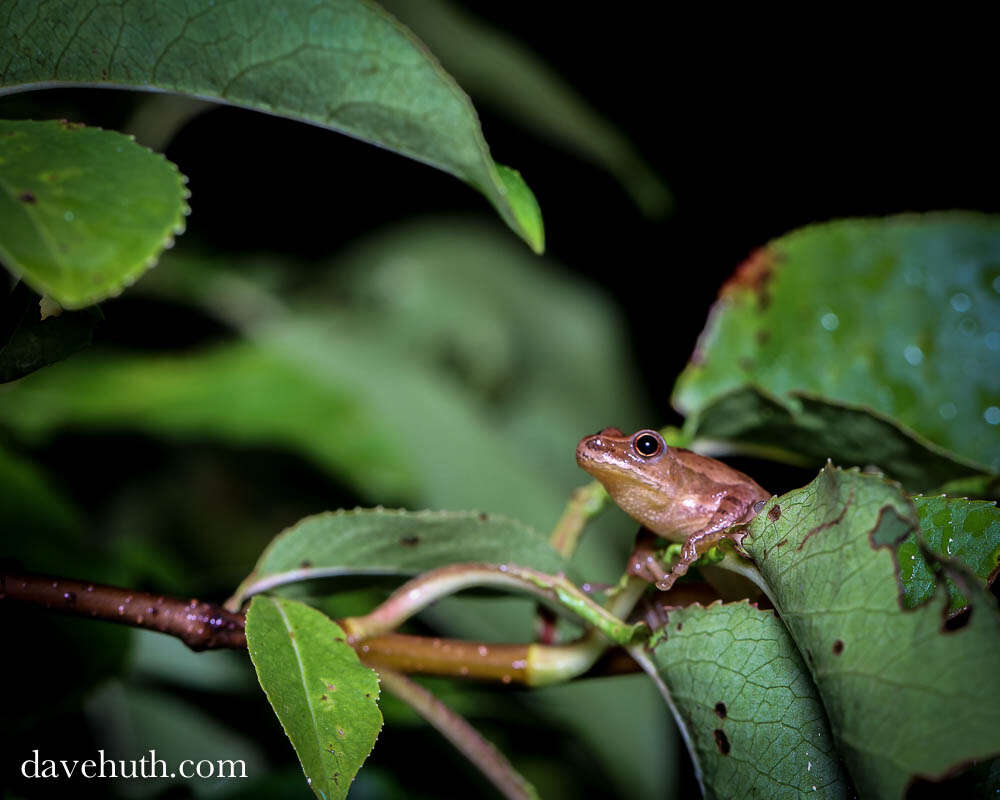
83, 212
896, 318
385, 542
42, 531
324, 697
344, 65
498, 70
907, 695
33, 513
752, 718
29, 342
167, 659
954, 529
131, 720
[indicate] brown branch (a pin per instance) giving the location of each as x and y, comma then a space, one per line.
207, 626
201, 626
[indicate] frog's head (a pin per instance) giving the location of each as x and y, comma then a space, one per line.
635, 470
614, 458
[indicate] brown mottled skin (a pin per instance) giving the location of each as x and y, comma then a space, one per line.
675, 493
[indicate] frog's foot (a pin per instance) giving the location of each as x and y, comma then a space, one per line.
694, 548
645, 561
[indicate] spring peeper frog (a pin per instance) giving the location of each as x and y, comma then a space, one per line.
675, 493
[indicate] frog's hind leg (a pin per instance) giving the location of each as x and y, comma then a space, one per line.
645, 562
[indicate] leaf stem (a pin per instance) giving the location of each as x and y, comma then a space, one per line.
418, 593
585, 503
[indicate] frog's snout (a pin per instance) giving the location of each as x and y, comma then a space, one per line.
591, 448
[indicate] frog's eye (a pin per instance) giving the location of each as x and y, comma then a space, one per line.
648, 444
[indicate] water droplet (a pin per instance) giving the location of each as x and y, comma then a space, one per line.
483, 650
993, 340
948, 410
69, 216
968, 326
830, 321
961, 302
913, 355
809, 766
992, 415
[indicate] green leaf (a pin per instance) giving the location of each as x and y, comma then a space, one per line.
749, 710
83, 212
806, 429
894, 317
344, 65
498, 70
324, 697
953, 529
906, 694
383, 542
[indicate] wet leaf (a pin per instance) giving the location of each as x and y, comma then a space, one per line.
83, 212
385, 542
954, 529
894, 318
907, 694
324, 697
344, 65
750, 713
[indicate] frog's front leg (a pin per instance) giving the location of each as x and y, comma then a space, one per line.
697, 544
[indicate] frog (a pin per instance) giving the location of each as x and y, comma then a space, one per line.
674, 493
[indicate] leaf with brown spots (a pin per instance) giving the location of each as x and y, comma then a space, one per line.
880, 348
749, 711
389, 542
952, 529
907, 696
298, 653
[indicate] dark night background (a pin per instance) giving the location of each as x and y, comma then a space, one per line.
755, 134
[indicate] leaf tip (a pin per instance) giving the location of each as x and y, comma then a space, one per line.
524, 207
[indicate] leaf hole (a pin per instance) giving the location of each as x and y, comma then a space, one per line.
957, 621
